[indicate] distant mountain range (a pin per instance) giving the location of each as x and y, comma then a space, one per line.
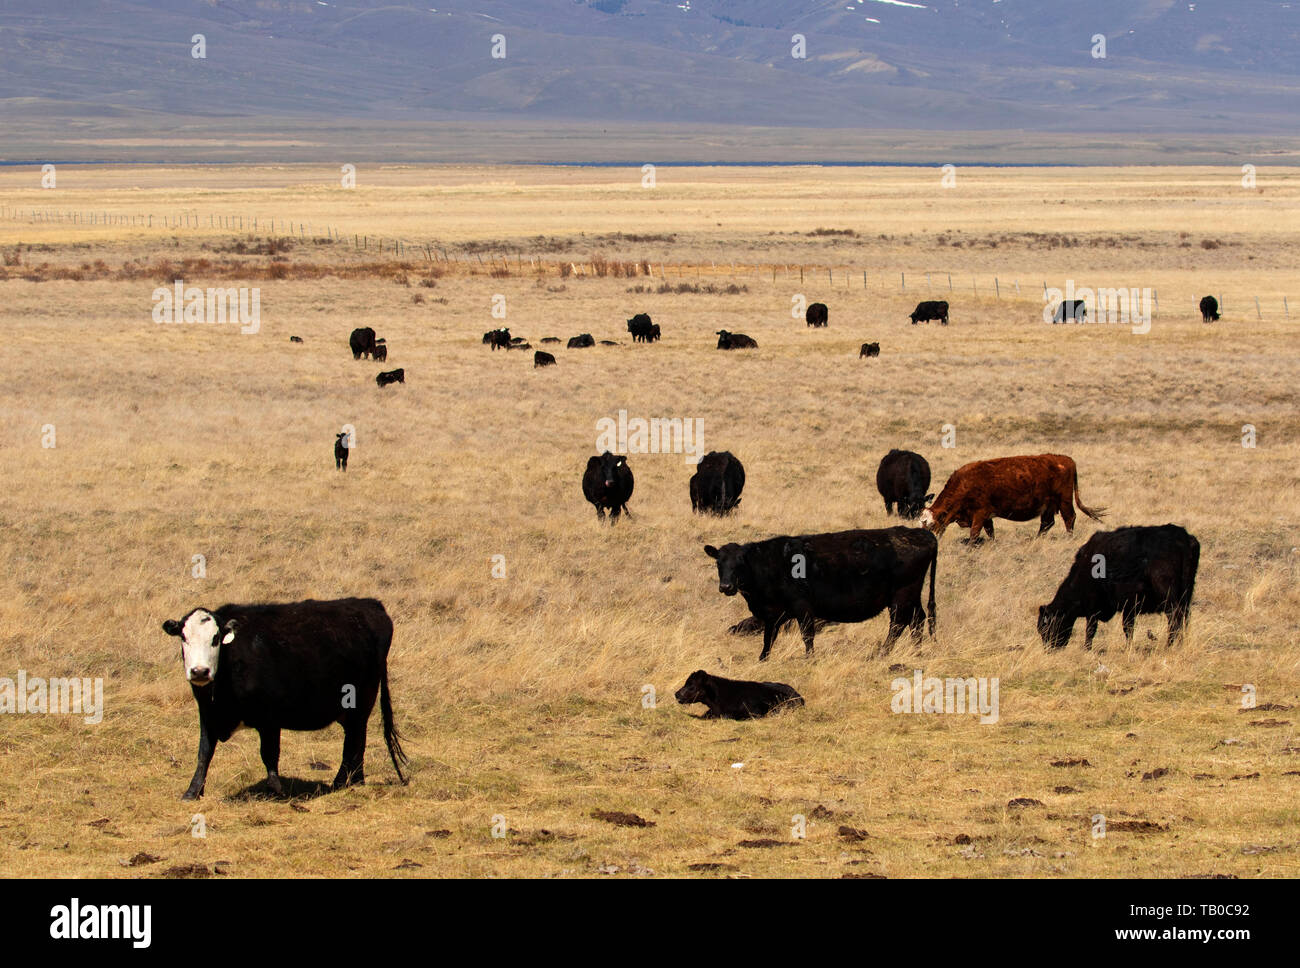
1189, 67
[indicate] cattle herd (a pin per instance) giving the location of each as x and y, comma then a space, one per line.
284, 666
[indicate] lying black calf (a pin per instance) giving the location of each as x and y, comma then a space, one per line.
736, 698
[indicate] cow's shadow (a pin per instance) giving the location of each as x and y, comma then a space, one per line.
294, 789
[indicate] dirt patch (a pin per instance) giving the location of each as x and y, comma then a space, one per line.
1020, 803
1156, 774
1079, 761
620, 819
1136, 826
853, 834
765, 842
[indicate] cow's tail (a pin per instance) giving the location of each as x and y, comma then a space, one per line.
391, 736
934, 563
1094, 513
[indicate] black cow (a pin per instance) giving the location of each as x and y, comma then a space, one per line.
578, 342
392, 376
1071, 310
381, 351
341, 451
930, 309
717, 483
869, 349
552, 339
845, 576
607, 483
542, 359
817, 315
1133, 571
1209, 309
295, 339
735, 341
522, 345
655, 333
736, 698
608, 342
639, 326
300, 666
902, 479
497, 338
362, 342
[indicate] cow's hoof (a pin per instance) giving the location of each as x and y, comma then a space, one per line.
190, 795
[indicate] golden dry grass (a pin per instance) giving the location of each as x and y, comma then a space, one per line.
522, 697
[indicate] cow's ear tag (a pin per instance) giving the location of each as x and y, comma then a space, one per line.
229, 637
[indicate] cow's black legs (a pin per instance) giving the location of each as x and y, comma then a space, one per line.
352, 769
1177, 619
806, 628
600, 513
1090, 631
271, 758
988, 526
614, 512
896, 627
770, 626
889, 507
1127, 618
207, 746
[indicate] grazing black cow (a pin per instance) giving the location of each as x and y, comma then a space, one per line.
735, 341
654, 333
716, 484
552, 339
299, 666
578, 342
1133, 571
869, 349
542, 359
845, 576
930, 309
902, 479
381, 351
639, 326
1209, 309
524, 345
392, 376
497, 338
341, 451
736, 698
362, 342
608, 342
1072, 311
754, 626
817, 315
516, 340
607, 483
295, 339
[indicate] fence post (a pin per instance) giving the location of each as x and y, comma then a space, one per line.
902, 277
1258, 314
997, 290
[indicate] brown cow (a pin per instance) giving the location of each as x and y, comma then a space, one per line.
1015, 488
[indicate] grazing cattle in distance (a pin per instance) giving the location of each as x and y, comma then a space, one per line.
869, 349
299, 666
552, 339
579, 342
362, 342
845, 576
1209, 309
341, 451
516, 340
608, 342
902, 479
716, 484
522, 345
392, 376
735, 341
497, 338
1071, 310
754, 626
295, 339
817, 315
1015, 488
1133, 571
381, 351
608, 483
736, 698
928, 310
542, 359
654, 333
639, 326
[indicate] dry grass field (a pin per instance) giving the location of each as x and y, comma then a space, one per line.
521, 697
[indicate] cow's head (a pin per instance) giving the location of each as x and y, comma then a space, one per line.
913, 505
202, 637
698, 688
732, 570
1054, 627
609, 465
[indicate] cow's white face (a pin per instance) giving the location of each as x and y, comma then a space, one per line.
201, 641
926, 519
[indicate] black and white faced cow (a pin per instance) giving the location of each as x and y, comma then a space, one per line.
845, 576
299, 666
